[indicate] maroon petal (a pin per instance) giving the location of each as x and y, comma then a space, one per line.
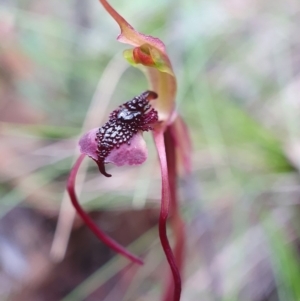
89, 222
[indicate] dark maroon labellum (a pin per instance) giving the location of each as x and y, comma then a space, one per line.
133, 116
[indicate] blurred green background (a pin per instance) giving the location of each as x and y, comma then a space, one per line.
62, 72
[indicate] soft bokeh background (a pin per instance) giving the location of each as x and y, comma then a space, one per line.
62, 72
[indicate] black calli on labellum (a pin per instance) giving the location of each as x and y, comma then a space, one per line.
133, 116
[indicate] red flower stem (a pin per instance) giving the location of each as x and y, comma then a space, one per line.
177, 223
164, 211
89, 222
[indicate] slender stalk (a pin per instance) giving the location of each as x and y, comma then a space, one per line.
177, 223
89, 222
164, 211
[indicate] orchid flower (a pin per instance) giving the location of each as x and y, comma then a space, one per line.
120, 141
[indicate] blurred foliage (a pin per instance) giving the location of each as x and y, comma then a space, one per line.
238, 67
